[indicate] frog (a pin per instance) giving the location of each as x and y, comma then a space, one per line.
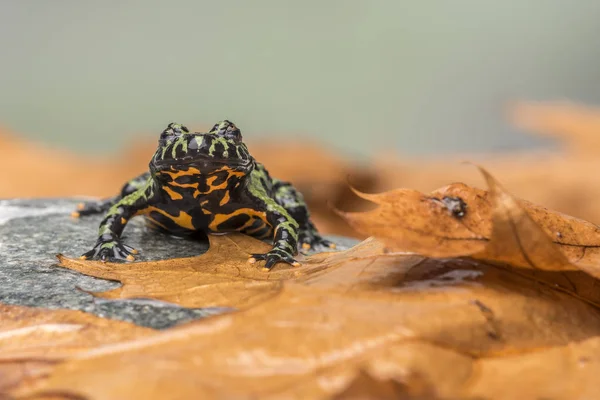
207, 182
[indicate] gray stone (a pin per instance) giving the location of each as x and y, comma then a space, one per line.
32, 232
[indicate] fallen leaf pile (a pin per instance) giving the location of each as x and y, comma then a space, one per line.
452, 301
460, 293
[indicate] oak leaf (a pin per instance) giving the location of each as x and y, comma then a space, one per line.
362, 312
312, 342
222, 277
495, 227
32, 340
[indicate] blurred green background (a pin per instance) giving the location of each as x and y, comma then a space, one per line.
415, 76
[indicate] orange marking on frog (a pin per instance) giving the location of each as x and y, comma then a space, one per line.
177, 173
218, 219
183, 219
230, 173
258, 228
225, 199
172, 194
209, 181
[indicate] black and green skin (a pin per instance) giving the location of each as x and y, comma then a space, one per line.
207, 182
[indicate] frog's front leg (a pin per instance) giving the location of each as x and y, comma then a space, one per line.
109, 246
285, 237
293, 201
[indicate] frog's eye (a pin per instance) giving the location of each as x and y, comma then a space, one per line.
172, 130
165, 135
233, 133
177, 129
228, 130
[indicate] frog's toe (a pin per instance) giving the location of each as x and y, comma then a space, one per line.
130, 249
315, 242
89, 208
89, 255
110, 252
273, 257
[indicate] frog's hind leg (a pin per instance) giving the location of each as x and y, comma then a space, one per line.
95, 207
102, 206
293, 201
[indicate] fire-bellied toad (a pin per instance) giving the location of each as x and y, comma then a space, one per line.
207, 182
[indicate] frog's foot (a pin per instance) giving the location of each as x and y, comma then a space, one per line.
91, 208
313, 241
273, 257
113, 251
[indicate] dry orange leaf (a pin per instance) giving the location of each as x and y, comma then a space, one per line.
577, 123
362, 312
32, 340
495, 227
365, 387
531, 236
77, 174
310, 342
222, 277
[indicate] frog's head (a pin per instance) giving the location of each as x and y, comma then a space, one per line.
178, 149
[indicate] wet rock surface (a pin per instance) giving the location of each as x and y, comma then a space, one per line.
32, 232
